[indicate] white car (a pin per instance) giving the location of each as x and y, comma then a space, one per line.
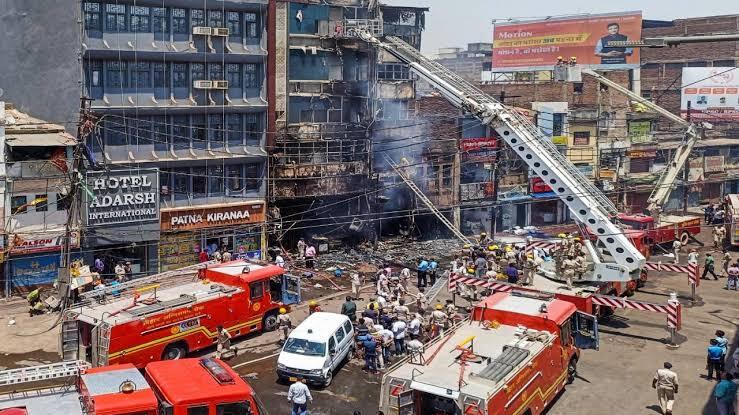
316, 348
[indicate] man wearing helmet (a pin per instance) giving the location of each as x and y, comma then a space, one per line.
285, 324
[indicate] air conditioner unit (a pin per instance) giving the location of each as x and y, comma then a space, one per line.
202, 84
202, 30
220, 31
220, 84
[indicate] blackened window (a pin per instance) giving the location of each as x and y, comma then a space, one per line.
233, 75
140, 19
215, 180
116, 76
160, 138
198, 71
557, 124
233, 130
235, 178
180, 132
215, 18
92, 16
215, 130
393, 72
115, 17
41, 202
252, 24
161, 75
116, 131
179, 75
215, 71
251, 75
199, 181
234, 23
159, 20
181, 183
179, 21
253, 176
251, 126
197, 18
141, 75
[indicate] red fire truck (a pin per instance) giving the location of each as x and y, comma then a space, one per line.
167, 323
514, 356
210, 387
669, 228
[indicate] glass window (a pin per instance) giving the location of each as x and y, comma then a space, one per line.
116, 76
161, 75
199, 182
198, 71
197, 18
180, 75
18, 204
165, 184
115, 18
233, 75
332, 344
251, 76
161, 138
92, 16
139, 131
340, 335
557, 124
237, 408
304, 347
181, 182
41, 202
253, 131
256, 290
215, 177
95, 73
198, 410
215, 71
215, 130
141, 75
179, 21
116, 130
581, 138
140, 19
215, 18
252, 25
253, 176
180, 132
348, 327
233, 127
160, 20
235, 177
233, 23
199, 129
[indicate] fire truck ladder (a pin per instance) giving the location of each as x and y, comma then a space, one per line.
41, 373
69, 349
419, 193
584, 200
101, 344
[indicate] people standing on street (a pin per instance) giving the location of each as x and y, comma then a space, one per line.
415, 326
405, 275
723, 343
439, 319
401, 310
512, 273
676, 246
716, 233
708, 265
399, 328
284, 324
733, 279
349, 309
371, 313
421, 299
529, 269
313, 307
722, 235
569, 265
356, 285
481, 266
714, 360
120, 272
725, 394
279, 260
224, 343
128, 270
310, 257
217, 255
693, 257
301, 249
665, 381
370, 354
708, 213
227, 257
433, 270
422, 269
726, 261
203, 256
299, 395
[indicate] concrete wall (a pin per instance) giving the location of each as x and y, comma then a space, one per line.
38, 58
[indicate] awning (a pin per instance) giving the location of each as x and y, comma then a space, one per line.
543, 195
40, 140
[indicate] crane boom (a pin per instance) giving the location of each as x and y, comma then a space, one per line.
588, 204
661, 42
693, 133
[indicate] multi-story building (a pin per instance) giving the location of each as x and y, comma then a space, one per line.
179, 86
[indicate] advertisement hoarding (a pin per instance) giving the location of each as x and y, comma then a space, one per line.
713, 94
478, 149
536, 44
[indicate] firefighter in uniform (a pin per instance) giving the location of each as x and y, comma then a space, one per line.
529, 268
285, 324
569, 266
439, 321
582, 266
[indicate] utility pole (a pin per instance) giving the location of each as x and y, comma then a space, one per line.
686, 172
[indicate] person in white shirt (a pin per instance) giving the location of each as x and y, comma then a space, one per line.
401, 310
356, 285
386, 338
414, 328
299, 395
280, 261
399, 328
405, 275
693, 257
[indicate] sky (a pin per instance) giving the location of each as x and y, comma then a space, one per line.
454, 23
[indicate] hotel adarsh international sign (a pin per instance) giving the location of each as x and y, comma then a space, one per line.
122, 196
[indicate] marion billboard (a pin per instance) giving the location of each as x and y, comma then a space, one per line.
713, 94
536, 44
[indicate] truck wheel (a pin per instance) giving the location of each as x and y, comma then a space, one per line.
571, 370
270, 322
684, 238
174, 351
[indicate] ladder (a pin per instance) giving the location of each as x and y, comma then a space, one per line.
419, 193
42, 372
70, 342
100, 344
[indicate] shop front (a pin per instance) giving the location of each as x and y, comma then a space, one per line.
33, 259
185, 232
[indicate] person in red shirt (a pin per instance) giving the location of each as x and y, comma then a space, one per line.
203, 256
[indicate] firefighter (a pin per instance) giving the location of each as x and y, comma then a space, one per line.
529, 268
223, 337
569, 266
285, 324
313, 307
676, 246
421, 300
439, 320
582, 266
484, 240
577, 247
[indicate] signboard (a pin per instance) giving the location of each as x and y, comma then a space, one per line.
34, 270
122, 196
22, 243
642, 154
640, 132
212, 216
476, 191
536, 44
560, 140
478, 149
713, 164
713, 94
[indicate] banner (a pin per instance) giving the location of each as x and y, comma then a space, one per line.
713, 94
478, 149
535, 45
122, 196
640, 132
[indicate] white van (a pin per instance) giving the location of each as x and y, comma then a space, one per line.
316, 348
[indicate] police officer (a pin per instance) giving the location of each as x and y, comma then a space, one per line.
676, 246
529, 268
439, 318
569, 266
285, 324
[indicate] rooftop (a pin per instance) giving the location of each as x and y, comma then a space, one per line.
18, 123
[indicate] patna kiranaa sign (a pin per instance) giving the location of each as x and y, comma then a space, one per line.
122, 196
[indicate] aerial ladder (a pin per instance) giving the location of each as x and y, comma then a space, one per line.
588, 204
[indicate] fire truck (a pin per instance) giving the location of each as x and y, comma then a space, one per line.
210, 387
139, 324
517, 352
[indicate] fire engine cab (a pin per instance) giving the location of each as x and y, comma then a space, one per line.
513, 356
210, 387
150, 323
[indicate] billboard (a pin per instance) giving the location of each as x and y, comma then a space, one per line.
122, 196
713, 94
536, 44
